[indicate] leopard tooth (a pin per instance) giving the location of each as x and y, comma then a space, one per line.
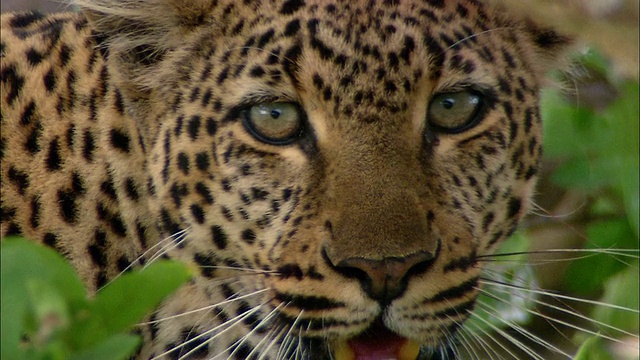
409, 350
342, 351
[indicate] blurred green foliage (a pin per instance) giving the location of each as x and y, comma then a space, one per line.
599, 153
47, 314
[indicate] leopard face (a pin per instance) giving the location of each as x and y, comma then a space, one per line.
333, 169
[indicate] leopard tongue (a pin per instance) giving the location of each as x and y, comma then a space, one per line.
380, 344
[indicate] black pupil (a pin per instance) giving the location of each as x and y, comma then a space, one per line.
275, 114
448, 103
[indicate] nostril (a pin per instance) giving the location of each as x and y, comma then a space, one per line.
383, 279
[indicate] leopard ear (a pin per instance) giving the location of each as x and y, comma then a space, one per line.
549, 46
138, 36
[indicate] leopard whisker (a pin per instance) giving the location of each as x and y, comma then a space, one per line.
275, 335
250, 270
262, 322
540, 211
521, 330
506, 336
551, 319
557, 295
630, 253
574, 313
466, 344
139, 259
243, 316
452, 343
288, 338
177, 238
481, 343
205, 308
478, 330
226, 326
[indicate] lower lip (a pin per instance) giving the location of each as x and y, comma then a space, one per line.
377, 343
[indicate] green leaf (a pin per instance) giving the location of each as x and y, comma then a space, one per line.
624, 146
593, 59
621, 290
587, 275
560, 123
116, 347
22, 262
126, 300
593, 349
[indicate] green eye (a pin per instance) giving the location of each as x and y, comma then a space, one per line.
274, 123
455, 112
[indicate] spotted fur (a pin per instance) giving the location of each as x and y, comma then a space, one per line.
122, 139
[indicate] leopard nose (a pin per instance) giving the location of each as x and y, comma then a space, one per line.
384, 279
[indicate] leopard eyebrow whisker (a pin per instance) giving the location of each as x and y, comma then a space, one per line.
540, 211
476, 35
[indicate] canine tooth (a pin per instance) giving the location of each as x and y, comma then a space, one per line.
409, 351
342, 351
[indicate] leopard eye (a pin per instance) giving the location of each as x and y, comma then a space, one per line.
276, 123
455, 112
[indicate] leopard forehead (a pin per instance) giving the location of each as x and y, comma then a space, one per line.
348, 51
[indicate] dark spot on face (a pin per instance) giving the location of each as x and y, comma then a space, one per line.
51, 240
291, 6
88, 146
49, 80
131, 189
206, 264
219, 237
194, 127
514, 207
292, 27
53, 160
198, 213
19, 178
183, 163
120, 140
35, 213
249, 236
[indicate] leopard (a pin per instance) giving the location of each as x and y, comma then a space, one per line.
335, 170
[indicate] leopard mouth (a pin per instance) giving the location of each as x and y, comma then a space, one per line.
376, 343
